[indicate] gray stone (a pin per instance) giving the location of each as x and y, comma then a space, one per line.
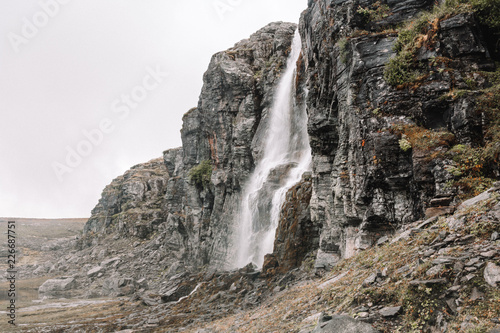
390, 311
435, 270
95, 271
370, 280
471, 202
428, 282
382, 240
443, 260
489, 254
344, 324
476, 294
492, 274
55, 287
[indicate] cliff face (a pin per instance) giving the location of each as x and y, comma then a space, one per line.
194, 220
396, 115
366, 182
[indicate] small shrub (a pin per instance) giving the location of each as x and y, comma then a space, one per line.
469, 171
400, 69
375, 12
200, 175
423, 139
404, 144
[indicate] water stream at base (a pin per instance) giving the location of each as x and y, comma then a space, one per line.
285, 157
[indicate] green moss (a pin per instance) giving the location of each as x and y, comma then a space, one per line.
488, 12
400, 69
200, 175
344, 51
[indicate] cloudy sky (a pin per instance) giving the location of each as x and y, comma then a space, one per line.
89, 88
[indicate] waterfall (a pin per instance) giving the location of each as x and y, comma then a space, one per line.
285, 157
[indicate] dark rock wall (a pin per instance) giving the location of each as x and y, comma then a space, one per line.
364, 183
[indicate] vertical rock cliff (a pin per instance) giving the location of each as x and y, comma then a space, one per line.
194, 219
379, 149
402, 123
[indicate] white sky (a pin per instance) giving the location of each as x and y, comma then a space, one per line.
69, 72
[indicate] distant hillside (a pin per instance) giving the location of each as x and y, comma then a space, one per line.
37, 236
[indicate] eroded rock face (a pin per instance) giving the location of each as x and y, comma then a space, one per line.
132, 205
296, 235
364, 183
193, 224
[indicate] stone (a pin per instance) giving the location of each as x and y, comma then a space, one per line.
481, 197
492, 274
109, 262
343, 324
494, 236
177, 292
95, 271
362, 314
438, 211
57, 287
403, 269
390, 311
370, 280
488, 254
435, 270
472, 262
333, 280
451, 302
382, 240
476, 294
428, 282
429, 252
443, 260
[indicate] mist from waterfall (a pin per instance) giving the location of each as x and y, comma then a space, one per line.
285, 157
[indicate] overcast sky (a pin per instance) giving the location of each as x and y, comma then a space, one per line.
89, 88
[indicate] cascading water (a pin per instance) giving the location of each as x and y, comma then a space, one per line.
285, 157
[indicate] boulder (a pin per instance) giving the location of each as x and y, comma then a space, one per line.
492, 274
57, 287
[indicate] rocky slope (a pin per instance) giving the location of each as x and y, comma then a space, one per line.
435, 275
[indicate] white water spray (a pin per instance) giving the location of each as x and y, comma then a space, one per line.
285, 157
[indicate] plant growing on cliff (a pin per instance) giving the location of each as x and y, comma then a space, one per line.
200, 175
488, 12
403, 68
344, 51
404, 144
375, 12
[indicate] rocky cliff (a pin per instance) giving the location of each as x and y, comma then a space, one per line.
385, 113
192, 207
400, 123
